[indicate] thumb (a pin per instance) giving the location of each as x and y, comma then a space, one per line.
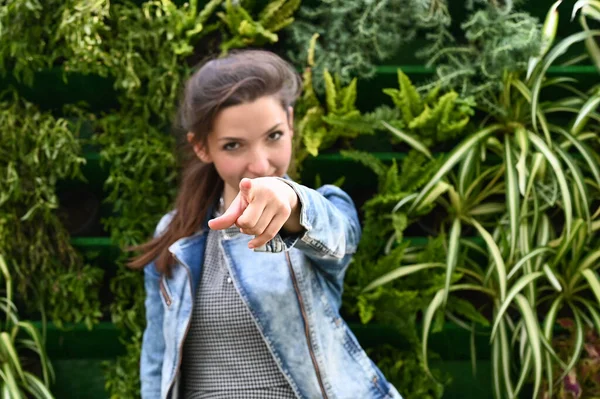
230, 216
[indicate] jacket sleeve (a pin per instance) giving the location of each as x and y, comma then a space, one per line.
153, 342
331, 229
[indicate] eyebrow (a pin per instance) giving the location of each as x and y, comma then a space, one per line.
240, 138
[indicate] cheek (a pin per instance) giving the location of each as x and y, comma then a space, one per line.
228, 167
283, 156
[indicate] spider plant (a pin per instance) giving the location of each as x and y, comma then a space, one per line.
17, 337
526, 186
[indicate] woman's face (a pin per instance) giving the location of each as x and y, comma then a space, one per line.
249, 140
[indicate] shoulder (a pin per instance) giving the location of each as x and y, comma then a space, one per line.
164, 222
325, 190
329, 189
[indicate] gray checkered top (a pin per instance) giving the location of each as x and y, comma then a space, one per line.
224, 355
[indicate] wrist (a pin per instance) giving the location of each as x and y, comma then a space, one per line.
292, 225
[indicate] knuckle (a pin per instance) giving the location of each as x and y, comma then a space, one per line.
243, 223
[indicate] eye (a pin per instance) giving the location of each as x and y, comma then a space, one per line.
275, 135
231, 146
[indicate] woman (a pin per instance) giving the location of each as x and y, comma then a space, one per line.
244, 278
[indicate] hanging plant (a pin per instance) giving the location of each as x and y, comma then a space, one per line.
243, 30
356, 35
37, 35
46, 268
497, 39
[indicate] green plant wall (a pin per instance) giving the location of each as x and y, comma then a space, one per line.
93, 86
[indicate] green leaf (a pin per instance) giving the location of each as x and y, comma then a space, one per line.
521, 136
452, 258
594, 283
552, 278
560, 176
367, 159
579, 341
567, 242
496, 365
270, 9
467, 170
590, 43
467, 310
514, 291
417, 145
533, 337
585, 152
588, 262
473, 350
548, 35
40, 348
505, 360
525, 369
9, 349
548, 329
349, 97
496, 256
536, 252
487, 209
400, 272
556, 51
11, 382
427, 319
579, 181
580, 121
594, 313
36, 387
512, 197
330, 92
410, 102
440, 188
453, 158
399, 221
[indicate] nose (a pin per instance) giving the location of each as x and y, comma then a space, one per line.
258, 165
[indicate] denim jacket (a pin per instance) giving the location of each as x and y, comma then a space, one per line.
292, 287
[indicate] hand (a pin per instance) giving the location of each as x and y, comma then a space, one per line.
262, 207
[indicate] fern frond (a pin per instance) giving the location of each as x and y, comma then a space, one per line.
382, 113
208, 10
348, 95
453, 129
411, 104
445, 106
432, 94
390, 182
281, 25
313, 140
367, 159
330, 92
424, 120
351, 124
269, 11
281, 16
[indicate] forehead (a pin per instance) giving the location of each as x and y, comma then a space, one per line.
249, 118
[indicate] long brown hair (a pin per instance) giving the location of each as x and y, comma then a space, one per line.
239, 78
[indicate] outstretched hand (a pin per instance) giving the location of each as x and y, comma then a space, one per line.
262, 207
